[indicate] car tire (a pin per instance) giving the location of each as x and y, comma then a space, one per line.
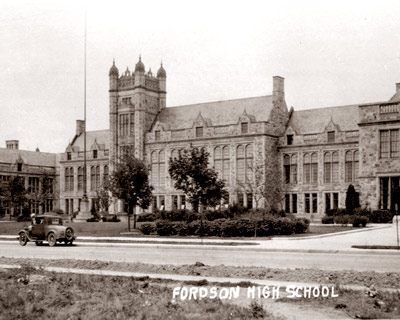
23, 239
38, 243
51, 239
69, 235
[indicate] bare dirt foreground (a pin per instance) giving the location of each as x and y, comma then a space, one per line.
106, 297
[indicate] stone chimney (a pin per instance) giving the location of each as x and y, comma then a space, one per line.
278, 88
80, 127
12, 144
397, 87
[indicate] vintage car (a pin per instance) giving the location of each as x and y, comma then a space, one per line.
46, 228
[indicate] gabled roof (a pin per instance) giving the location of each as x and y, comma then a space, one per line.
32, 158
219, 112
102, 138
315, 120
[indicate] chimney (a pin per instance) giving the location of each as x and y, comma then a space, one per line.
278, 87
80, 127
12, 144
397, 87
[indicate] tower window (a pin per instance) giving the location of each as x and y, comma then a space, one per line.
19, 167
157, 135
94, 154
289, 139
68, 155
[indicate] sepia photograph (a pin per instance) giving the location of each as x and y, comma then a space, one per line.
199, 159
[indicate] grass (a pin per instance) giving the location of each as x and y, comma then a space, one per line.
358, 304
33, 294
114, 229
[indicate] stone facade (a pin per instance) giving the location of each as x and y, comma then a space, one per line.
32, 167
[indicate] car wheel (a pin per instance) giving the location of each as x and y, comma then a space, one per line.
23, 239
69, 234
38, 243
51, 238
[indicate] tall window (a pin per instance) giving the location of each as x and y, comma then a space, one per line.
94, 154
33, 184
291, 203
351, 165
331, 201
389, 143
222, 163
310, 168
132, 124
290, 168
80, 179
157, 135
289, 139
123, 124
94, 178
158, 168
69, 179
331, 167
311, 202
244, 162
105, 175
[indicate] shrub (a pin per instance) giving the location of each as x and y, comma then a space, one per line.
181, 228
380, 216
147, 217
236, 209
360, 220
327, 219
218, 214
301, 225
331, 213
344, 219
165, 228
147, 228
214, 228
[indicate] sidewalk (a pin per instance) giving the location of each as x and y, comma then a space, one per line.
376, 235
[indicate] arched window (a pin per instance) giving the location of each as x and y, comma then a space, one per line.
222, 163
244, 162
331, 167
293, 168
290, 168
351, 165
69, 179
94, 178
310, 168
158, 168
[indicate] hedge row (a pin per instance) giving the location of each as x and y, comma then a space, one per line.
228, 228
343, 216
355, 220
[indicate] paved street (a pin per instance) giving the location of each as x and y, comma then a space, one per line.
154, 254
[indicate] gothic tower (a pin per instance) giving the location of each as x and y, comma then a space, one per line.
135, 100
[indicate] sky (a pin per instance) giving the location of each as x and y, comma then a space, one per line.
330, 53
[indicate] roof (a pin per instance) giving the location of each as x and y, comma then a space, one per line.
102, 138
316, 120
32, 158
216, 113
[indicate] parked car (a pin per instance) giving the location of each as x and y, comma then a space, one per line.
46, 228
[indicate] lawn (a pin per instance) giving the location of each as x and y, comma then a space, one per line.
33, 294
112, 229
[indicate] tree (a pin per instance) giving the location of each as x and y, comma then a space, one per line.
352, 199
44, 192
103, 199
130, 182
13, 192
263, 183
199, 183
